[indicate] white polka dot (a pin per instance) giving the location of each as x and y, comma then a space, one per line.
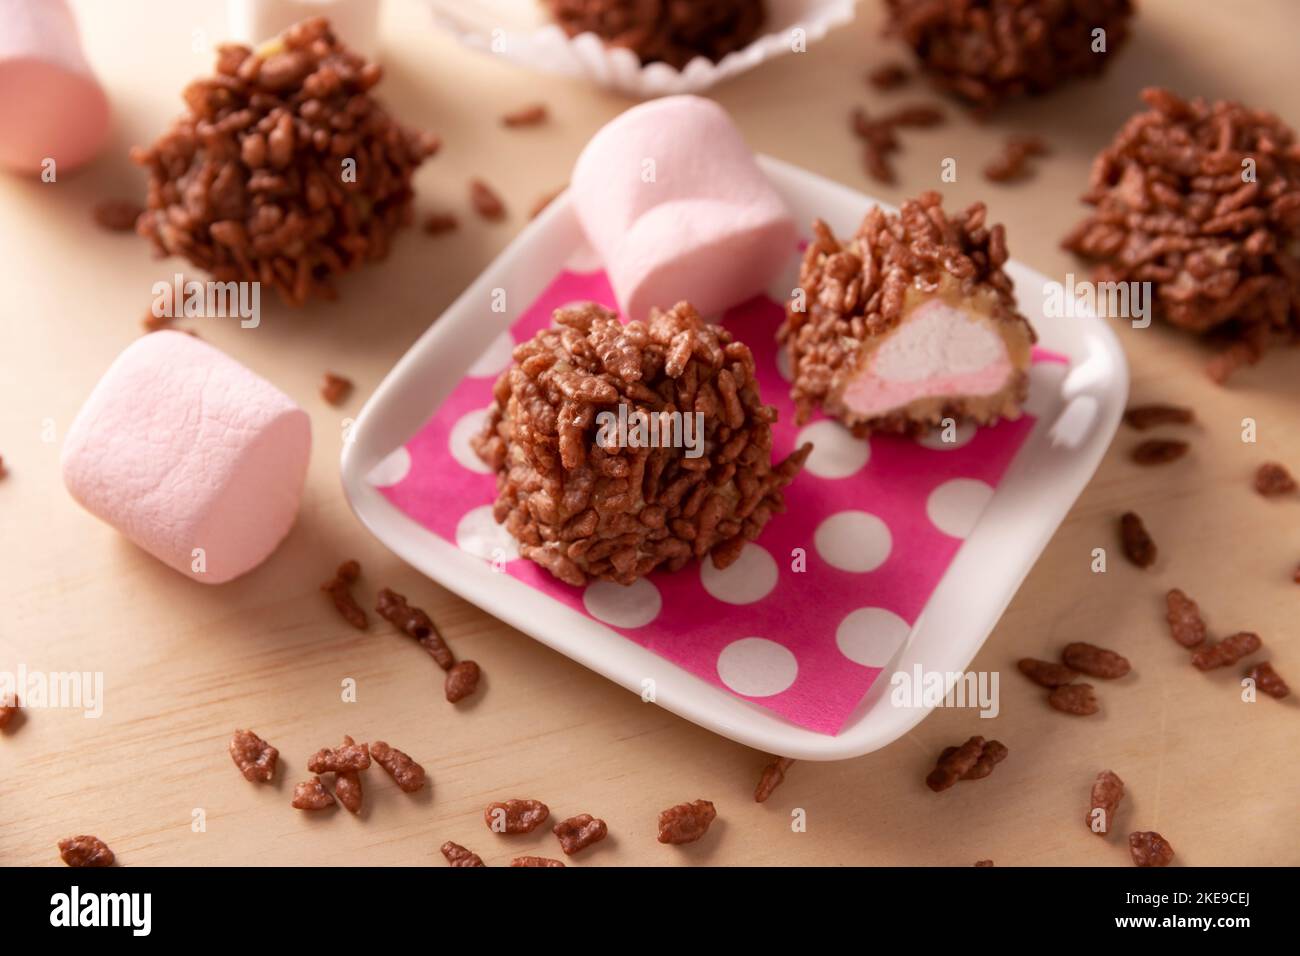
955, 506
479, 534
757, 667
961, 434
871, 636
628, 606
468, 426
853, 541
583, 259
751, 577
495, 358
392, 469
836, 453
784, 364
1045, 379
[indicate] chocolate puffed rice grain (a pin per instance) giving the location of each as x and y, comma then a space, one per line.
311, 795
888, 76
350, 755
347, 790
8, 709
117, 215
458, 856
578, 833
1139, 546
1012, 163
485, 201
339, 588
1186, 626
1045, 673
406, 773
1107, 792
1143, 417
1078, 700
772, 777
1273, 480
462, 681
1095, 661
1149, 848
347, 785
973, 760
335, 388
515, 816
436, 223
1227, 651
415, 623
1159, 451
686, 822
530, 115
254, 757
85, 851
1268, 680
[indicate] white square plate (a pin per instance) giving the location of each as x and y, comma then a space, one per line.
1077, 414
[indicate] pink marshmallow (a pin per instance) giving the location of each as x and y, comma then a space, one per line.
937, 351
51, 105
676, 206
180, 447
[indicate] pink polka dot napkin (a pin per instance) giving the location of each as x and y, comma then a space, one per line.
807, 617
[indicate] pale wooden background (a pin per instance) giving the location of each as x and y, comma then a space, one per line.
184, 663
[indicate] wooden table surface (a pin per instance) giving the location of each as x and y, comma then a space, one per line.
184, 663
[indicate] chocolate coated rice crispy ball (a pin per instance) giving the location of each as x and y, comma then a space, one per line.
1176, 207
859, 292
988, 51
249, 184
585, 511
671, 31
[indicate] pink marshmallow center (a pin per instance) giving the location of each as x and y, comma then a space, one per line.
937, 351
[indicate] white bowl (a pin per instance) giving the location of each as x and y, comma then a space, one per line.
1075, 424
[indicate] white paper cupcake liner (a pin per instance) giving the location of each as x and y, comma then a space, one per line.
521, 31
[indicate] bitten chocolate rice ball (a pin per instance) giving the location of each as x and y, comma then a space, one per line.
586, 502
673, 32
988, 51
909, 322
284, 170
1202, 200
